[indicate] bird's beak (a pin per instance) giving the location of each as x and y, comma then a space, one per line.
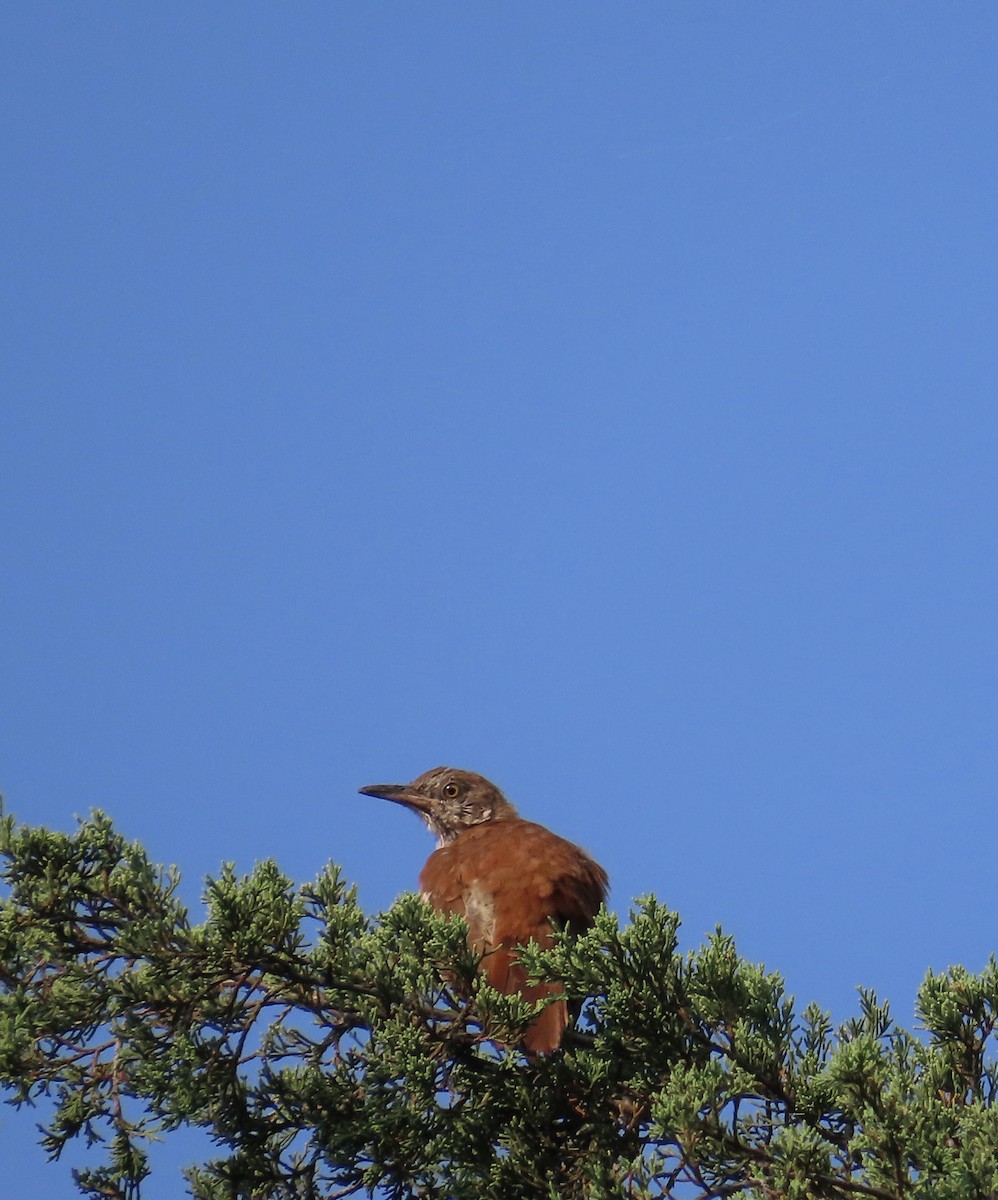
398, 793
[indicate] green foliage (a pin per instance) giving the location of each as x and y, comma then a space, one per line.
329, 1055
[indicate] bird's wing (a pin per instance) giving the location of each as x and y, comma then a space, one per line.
512, 880
565, 884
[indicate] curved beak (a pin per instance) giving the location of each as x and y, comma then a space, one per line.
398, 793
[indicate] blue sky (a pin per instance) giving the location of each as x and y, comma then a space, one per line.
599, 398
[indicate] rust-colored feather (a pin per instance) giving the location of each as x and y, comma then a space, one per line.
514, 881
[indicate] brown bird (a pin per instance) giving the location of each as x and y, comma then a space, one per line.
511, 880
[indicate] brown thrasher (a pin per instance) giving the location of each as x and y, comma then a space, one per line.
510, 879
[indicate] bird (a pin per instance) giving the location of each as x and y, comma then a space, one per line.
513, 882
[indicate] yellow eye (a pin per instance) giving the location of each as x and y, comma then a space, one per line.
451, 790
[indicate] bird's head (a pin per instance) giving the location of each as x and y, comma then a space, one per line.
448, 800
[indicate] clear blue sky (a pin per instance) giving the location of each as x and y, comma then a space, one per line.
603, 398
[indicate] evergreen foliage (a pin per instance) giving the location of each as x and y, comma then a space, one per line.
331, 1055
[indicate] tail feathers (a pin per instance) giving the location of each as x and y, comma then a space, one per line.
505, 973
543, 1035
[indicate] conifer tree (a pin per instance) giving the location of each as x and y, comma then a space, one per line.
334, 1055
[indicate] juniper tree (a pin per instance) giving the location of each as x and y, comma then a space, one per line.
329, 1054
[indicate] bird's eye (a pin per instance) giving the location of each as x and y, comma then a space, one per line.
451, 790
